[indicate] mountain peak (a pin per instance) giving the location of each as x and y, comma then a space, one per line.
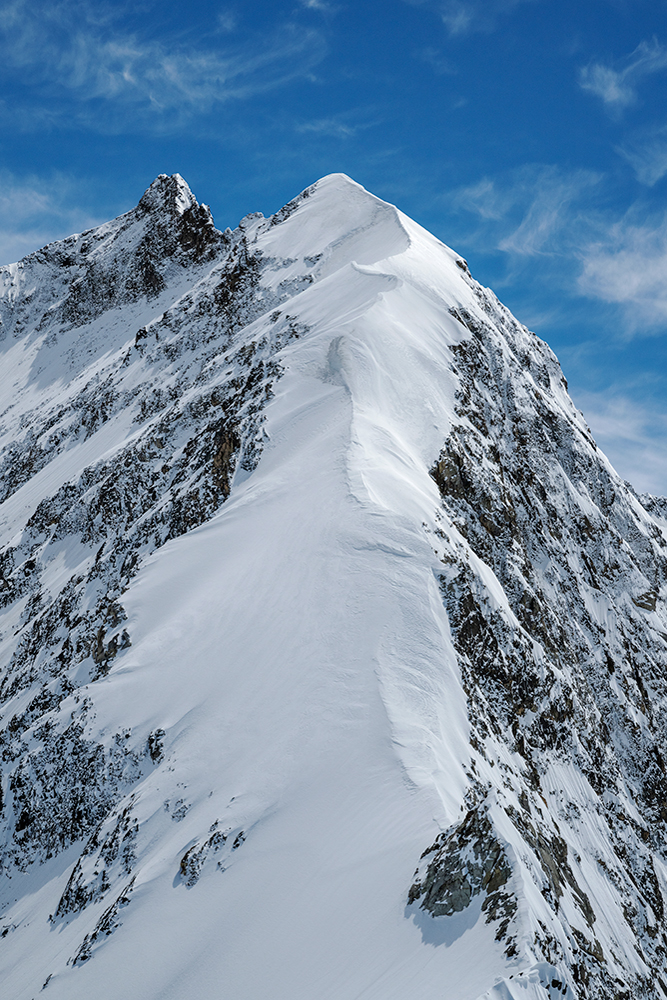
167, 193
328, 634
342, 181
336, 222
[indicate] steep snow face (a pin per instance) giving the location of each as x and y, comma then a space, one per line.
333, 650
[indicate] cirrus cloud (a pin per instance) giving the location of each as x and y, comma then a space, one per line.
537, 209
88, 67
632, 435
541, 215
617, 86
629, 267
466, 17
647, 155
35, 211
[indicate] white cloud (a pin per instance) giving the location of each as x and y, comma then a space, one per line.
226, 21
463, 17
633, 436
487, 198
328, 126
546, 226
612, 87
72, 52
459, 18
341, 126
618, 87
35, 211
534, 210
539, 212
543, 217
628, 266
647, 155
438, 63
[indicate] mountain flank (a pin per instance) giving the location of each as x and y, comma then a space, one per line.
333, 651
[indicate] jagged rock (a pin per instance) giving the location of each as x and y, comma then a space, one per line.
463, 864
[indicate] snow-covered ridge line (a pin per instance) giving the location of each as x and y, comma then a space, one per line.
333, 649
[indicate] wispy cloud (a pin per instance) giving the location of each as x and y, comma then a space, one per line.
628, 266
73, 53
647, 154
434, 58
547, 223
464, 17
488, 199
35, 211
328, 126
540, 212
617, 85
341, 126
317, 5
633, 436
534, 210
226, 21
459, 17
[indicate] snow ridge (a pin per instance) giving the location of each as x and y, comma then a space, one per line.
333, 649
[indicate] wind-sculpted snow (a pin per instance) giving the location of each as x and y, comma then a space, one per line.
332, 653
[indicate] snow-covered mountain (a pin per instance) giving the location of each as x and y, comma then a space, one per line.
333, 651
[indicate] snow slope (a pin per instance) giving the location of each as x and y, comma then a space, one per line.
332, 647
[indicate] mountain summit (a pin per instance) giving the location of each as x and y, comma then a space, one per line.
333, 650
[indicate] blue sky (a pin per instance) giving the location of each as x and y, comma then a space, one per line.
530, 135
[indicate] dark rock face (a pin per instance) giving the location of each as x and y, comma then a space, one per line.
59, 792
219, 843
571, 673
110, 853
195, 396
76, 280
462, 864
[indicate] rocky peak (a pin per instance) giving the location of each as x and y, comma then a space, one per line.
169, 194
133, 258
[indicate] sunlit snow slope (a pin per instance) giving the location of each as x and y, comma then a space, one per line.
333, 650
